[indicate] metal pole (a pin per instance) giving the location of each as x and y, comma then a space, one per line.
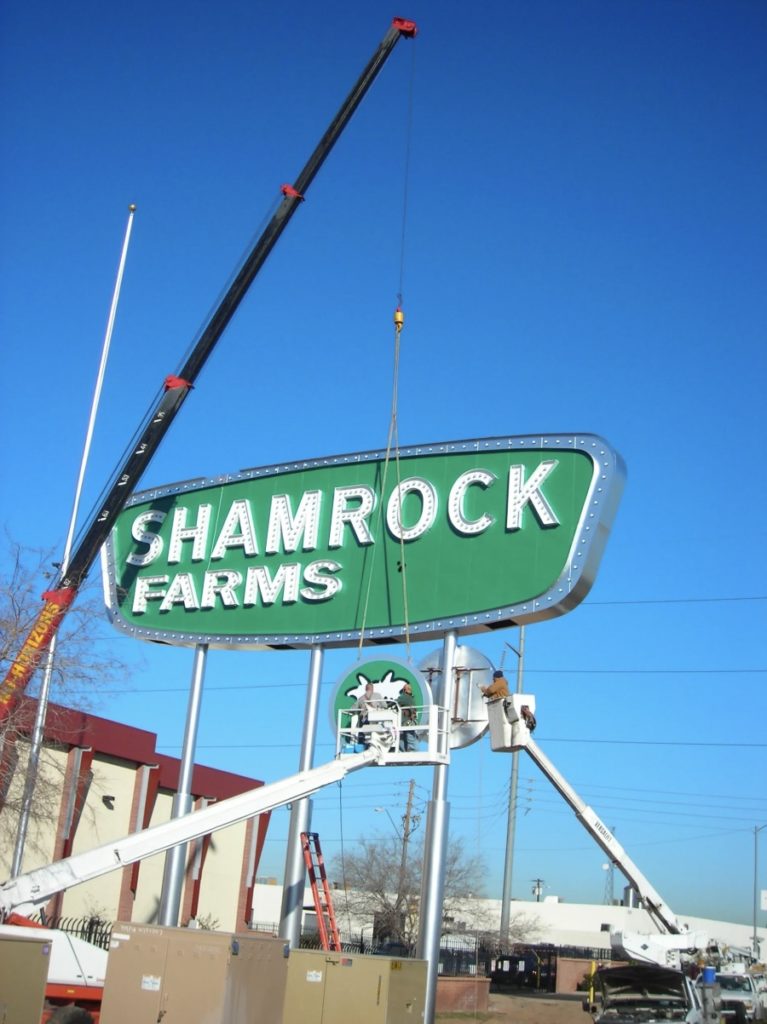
175, 858
757, 830
435, 853
301, 813
511, 821
38, 730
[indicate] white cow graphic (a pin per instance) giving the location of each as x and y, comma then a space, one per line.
388, 687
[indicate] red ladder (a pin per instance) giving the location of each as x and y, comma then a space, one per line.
323, 900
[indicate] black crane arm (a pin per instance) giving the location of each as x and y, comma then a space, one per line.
176, 389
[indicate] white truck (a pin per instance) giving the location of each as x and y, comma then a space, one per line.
640, 994
738, 995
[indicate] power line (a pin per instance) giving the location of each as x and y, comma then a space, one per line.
548, 739
675, 600
538, 671
649, 671
652, 743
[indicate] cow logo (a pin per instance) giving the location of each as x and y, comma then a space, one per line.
388, 676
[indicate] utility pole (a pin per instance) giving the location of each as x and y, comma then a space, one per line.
757, 830
538, 884
407, 818
511, 821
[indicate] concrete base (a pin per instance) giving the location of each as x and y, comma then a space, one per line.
467, 994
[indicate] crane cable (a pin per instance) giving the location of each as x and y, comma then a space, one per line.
393, 438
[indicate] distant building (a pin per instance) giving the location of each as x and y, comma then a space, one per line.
550, 922
100, 781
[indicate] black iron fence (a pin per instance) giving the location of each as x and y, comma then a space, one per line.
91, 929
517, 966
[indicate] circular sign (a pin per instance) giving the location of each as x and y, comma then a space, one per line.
468, 711
388, 676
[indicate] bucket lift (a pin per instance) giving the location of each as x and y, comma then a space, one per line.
511, 722
381, 746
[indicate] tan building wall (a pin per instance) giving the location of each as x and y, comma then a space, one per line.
40, 842
103, 781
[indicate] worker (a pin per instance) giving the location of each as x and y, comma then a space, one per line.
371, 698
408, 717
498, 688
368, 700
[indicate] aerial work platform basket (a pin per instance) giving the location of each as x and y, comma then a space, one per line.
423, 740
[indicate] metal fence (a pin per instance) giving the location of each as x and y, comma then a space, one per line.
517, 966
91, 929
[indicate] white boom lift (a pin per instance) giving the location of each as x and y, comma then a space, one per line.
24, 893
509, 731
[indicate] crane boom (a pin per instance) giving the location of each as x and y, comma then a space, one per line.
588, 817
509, 731
36, 887
175, 390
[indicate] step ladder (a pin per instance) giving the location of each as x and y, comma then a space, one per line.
323, 900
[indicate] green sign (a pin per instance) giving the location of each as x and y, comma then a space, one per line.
465, 535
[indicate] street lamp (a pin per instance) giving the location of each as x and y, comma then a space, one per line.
757, 830
383, 810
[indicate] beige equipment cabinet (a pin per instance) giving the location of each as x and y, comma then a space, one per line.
23, 975
190, 976
340, 988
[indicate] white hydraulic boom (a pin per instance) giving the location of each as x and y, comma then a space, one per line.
509, 731
36, 887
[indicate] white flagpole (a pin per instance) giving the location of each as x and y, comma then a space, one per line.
42, 703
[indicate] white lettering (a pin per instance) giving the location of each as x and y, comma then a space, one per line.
520, 493
181, 591
314, 575
146, 537
197, 534
142, 593
414, 485
237, 532
355, 517
285, 526
260, 581
221, 584
455, 509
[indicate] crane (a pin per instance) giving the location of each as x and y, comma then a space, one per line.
175, 390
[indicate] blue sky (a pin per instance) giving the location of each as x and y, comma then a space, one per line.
584, 251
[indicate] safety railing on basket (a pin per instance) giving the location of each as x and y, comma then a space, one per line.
420, 730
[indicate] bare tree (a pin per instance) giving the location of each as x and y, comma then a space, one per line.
384, 885
82, 665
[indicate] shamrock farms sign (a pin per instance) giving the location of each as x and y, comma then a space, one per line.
465, 535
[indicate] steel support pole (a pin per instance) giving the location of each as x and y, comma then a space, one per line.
175, 858
435, 852
301, 813
511, 821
